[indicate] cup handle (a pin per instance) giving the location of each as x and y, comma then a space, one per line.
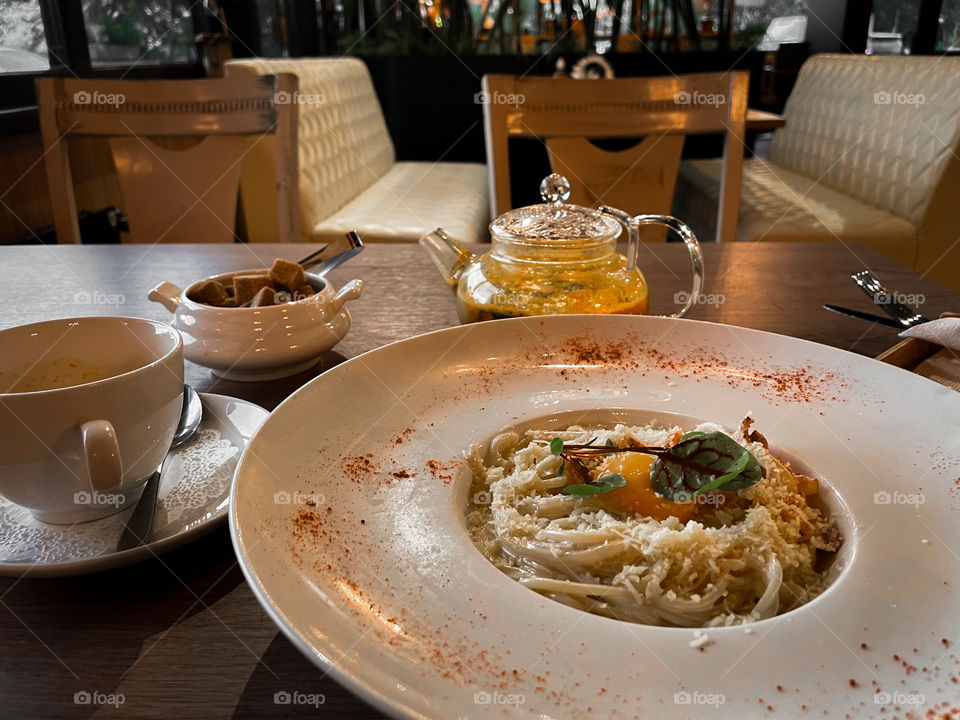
679, 227
102, 455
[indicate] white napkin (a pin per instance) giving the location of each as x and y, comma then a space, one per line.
945, 331
944, 366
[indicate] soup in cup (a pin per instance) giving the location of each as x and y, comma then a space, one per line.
88, 408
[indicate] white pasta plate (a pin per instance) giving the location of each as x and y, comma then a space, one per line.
348, 516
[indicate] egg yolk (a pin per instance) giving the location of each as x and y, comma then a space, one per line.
638, 495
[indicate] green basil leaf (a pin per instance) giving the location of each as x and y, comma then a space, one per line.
610, 443
702, 462
603, 484
556, 446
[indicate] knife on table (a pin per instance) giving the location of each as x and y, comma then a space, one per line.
879, 319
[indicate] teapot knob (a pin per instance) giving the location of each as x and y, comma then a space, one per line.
555, 189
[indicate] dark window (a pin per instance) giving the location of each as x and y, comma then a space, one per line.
23, 44
129, 33
948, 35
892, 27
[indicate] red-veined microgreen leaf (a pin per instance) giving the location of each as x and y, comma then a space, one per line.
703, 462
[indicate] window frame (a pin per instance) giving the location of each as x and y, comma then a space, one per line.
68, 50
857, 20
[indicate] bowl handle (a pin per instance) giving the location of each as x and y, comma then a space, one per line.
166, 294
351, 291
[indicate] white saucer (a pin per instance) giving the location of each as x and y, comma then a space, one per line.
193, 499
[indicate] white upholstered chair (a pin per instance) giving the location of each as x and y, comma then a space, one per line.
349, 178
870, 154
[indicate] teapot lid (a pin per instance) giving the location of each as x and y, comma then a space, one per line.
554, 222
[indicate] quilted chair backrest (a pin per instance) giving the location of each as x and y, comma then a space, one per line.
878, 128
344, 144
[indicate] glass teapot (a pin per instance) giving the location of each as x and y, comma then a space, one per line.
555, 258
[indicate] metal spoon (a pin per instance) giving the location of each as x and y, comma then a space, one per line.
138, 526
332, 255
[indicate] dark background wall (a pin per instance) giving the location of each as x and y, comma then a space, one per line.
825, 25
447, 123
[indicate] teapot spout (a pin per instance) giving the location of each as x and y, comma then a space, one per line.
447, 254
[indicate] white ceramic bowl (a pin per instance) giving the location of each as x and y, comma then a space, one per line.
262, 343
353, 537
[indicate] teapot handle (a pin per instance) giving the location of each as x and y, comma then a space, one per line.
686, 234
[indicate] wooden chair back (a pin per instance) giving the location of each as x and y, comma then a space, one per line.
558, 109
638, 180
177, 146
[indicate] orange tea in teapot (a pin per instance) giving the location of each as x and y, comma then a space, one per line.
551, 259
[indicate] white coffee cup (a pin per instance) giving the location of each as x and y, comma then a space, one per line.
88, 408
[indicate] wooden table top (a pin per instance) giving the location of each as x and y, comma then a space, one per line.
762, 120
182, 635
